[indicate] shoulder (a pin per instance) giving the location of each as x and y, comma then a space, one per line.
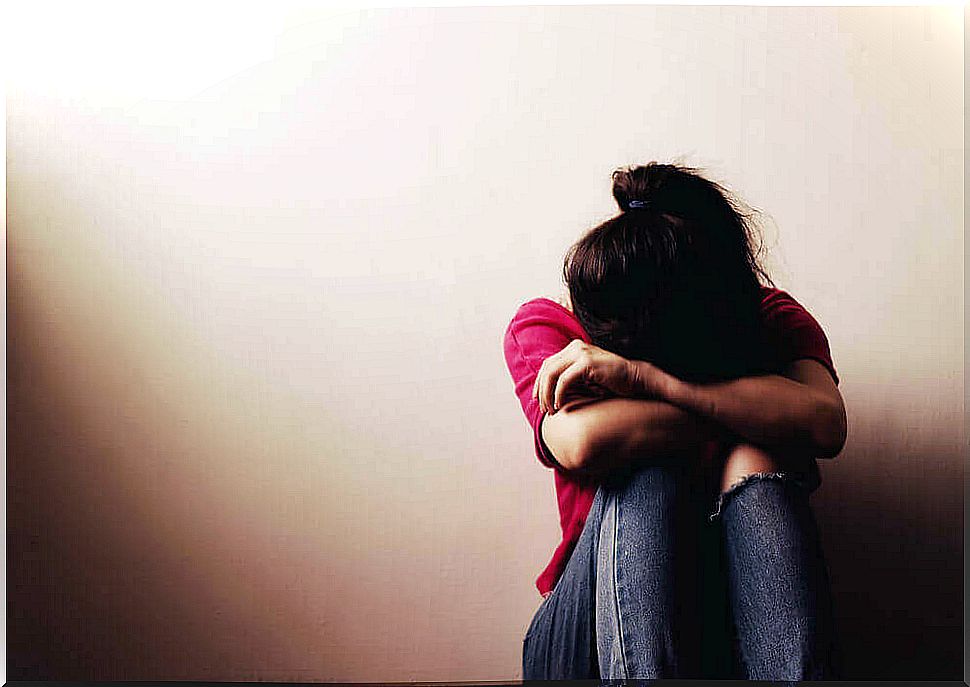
779, 307
774, 298
792, 331
544, 304
547, 313
538, 328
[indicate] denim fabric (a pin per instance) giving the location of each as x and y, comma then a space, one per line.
778, 582
658, 588
560, 643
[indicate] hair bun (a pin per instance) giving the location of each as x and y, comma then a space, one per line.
642, 183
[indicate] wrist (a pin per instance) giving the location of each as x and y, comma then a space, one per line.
690, 396
671, 388
649, 381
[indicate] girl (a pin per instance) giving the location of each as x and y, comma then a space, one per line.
682, 404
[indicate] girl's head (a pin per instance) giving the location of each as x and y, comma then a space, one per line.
673, 278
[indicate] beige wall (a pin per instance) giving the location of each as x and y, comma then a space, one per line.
260, 264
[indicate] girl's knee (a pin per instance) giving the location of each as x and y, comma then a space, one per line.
745, 460
749, 467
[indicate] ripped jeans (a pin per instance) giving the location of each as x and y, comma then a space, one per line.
659, 586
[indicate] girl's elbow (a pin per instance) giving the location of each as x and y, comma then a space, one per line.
590, 455
583, 454
831, 431
572, 461
570, 443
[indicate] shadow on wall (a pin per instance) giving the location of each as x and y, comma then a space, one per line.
99, 588
890, 512
142, 543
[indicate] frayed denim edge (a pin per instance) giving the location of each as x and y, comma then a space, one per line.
747, 479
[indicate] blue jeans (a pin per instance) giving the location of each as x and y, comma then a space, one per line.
659, 588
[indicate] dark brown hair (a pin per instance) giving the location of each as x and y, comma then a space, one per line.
674, 278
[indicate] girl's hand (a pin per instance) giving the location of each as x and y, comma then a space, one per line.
584, 370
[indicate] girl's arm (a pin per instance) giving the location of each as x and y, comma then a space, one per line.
798, 411
598, 432
600, 436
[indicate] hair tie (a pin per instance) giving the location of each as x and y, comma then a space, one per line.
638, 203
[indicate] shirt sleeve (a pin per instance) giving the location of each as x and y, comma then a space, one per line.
793, 333
540, 328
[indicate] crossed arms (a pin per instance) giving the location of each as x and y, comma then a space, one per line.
795, 415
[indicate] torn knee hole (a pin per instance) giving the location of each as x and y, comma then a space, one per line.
741, 482
750, 477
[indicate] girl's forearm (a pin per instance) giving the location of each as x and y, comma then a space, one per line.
769, 410
610, 435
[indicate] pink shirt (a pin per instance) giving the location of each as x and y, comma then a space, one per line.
542, 327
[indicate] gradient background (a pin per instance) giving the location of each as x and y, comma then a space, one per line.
260, 263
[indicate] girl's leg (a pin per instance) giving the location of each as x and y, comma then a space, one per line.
778, 582
560, 643
645, 580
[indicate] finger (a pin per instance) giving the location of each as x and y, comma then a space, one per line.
552, 367
560, 390
537, 390
549, 370
574, 375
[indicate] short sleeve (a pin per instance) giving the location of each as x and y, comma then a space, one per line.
792, 333
539, 329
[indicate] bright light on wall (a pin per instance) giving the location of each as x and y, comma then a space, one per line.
117, 53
